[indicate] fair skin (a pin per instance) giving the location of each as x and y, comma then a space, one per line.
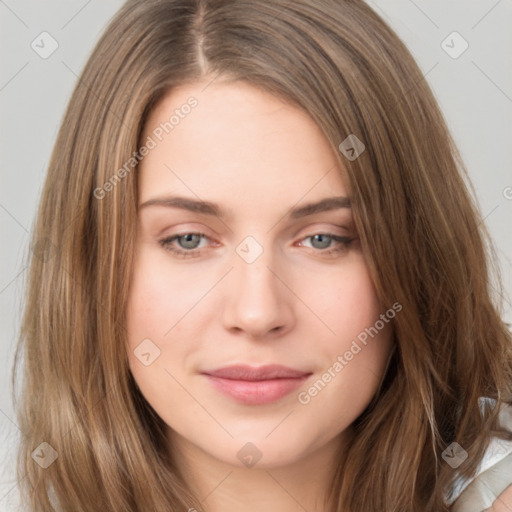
503, 503
294, 305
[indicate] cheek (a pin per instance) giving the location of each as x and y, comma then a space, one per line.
159, 298
152, 317
350, 305
157, 302
356, 352
166, 306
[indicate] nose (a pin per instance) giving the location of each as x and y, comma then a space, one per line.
258, 302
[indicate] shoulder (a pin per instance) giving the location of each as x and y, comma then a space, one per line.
493, 476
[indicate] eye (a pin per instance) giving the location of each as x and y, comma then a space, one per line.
188, 241
322, 241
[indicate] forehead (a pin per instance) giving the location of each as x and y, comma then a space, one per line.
237, 145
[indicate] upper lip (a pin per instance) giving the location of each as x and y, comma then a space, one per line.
249, 373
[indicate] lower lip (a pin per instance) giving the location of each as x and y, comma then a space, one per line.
256, 392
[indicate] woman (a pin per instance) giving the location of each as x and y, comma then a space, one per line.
266, 282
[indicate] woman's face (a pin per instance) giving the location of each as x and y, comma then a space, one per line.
234, 268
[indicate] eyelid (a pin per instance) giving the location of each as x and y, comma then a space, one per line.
303, 232
317, 227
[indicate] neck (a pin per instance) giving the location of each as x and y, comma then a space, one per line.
303, 484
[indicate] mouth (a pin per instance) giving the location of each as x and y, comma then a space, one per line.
256, 386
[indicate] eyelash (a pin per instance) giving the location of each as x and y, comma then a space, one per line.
194, 253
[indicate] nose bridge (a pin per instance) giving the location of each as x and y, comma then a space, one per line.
257, 302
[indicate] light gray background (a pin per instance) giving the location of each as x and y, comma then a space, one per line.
474, 91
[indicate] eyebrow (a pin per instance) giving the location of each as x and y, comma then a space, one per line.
209, 208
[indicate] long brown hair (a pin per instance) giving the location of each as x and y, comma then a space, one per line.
422, 236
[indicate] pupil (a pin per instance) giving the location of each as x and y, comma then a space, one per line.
189, 240
323, 239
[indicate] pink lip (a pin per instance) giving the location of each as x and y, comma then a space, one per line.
255, 386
